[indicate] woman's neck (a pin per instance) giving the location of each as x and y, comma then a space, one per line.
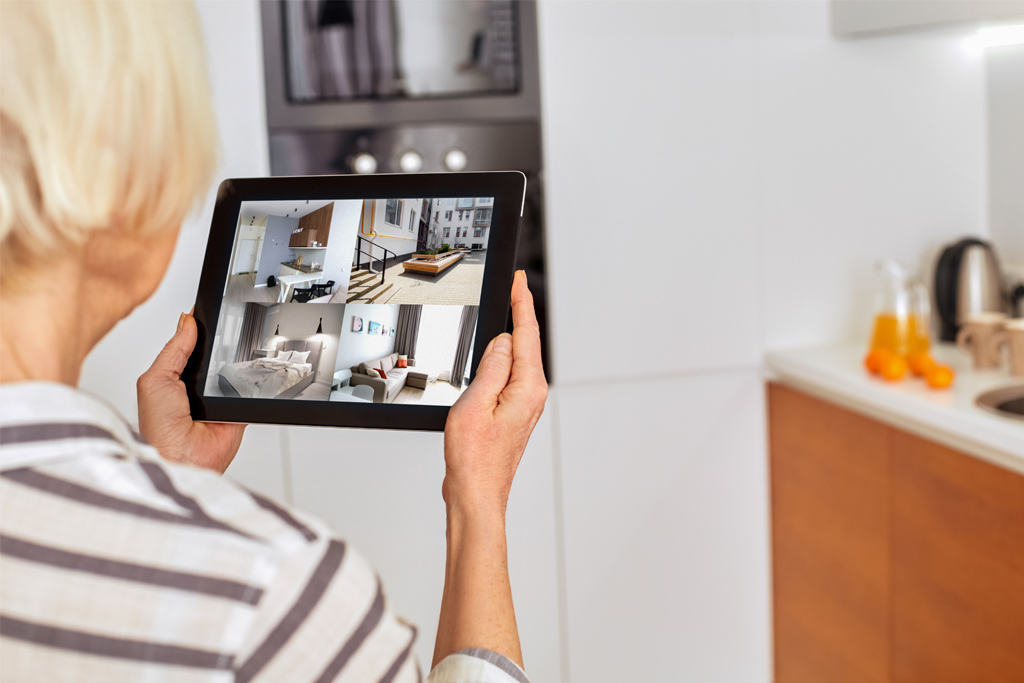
48, 328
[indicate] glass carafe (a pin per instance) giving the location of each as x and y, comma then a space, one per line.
902, 311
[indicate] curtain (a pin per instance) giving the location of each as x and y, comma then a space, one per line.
252, 331
467, 326
408, 329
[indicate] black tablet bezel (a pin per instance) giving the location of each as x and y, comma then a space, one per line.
508, 189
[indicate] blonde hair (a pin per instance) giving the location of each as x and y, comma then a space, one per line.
105, 121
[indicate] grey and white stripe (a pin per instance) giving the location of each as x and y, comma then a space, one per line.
291, 622
370, 621
129, 571
120, 648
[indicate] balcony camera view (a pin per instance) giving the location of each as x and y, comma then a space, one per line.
360, 301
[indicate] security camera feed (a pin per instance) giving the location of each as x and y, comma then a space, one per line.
355, 301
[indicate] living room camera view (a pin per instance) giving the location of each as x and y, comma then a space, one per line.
355, 353
379, 251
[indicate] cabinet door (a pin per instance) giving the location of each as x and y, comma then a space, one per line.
324, 226
296, 240
830, 541
316, 226
957, 566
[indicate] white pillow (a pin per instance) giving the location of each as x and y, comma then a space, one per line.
299, 356
284, 355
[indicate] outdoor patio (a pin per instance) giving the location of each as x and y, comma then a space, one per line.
458, 285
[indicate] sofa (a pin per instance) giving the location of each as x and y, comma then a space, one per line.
386, 390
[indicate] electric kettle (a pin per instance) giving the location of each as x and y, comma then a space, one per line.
967, 281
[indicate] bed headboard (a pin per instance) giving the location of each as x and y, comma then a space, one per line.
314, 346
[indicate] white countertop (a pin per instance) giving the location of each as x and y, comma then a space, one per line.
945, 416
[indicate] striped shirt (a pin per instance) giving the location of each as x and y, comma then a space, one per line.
116, 565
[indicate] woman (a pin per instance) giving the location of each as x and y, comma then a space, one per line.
123, 556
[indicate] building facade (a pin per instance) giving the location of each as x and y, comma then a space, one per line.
464, 222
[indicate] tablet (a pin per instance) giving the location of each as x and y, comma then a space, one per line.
351, 301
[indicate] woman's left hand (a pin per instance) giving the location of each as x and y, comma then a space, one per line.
164, 416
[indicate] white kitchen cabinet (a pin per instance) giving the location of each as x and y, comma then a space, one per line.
286, 270
652, 227
666, 535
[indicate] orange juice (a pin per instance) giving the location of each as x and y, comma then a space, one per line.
904, 336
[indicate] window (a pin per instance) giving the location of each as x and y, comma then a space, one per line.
439, 336
478, 232
465, 203
483, 216
447, 215
447, 231
412, 219
393, 209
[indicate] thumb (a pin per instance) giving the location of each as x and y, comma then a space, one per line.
494, 371
174, 355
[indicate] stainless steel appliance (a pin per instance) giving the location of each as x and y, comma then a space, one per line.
389, 86
967, 280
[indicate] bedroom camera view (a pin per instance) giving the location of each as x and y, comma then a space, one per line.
373, 251
352, 301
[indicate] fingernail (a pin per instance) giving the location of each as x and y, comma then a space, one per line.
181, 321
503, 343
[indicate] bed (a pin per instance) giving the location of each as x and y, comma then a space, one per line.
272, 377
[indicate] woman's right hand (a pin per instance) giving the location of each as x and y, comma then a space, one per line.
485, 437
490, 424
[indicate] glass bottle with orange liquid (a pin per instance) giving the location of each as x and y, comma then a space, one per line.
902, 312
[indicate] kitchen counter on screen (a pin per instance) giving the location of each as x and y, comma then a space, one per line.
948, 416
303, 268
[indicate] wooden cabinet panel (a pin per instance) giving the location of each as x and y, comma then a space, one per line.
316, 226
894, 558
958, 566
830, 541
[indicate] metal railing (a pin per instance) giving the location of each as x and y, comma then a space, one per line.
369, 254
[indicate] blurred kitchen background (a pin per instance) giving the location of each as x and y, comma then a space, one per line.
710, 182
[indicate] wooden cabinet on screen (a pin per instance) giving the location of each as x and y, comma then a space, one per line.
314, 228
894, 558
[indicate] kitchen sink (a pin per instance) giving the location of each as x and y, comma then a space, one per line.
1007, 401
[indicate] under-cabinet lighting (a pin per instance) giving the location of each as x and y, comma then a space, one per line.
999, 36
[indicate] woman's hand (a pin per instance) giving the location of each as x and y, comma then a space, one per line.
490, 424
164, 416
484, 440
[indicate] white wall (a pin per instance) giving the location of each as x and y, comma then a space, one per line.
341, 243
397, 238
359, 347
300, 321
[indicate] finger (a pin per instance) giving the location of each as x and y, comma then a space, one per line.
527, 364
493, 373
174, 355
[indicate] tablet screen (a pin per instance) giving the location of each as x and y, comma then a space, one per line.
353, 301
